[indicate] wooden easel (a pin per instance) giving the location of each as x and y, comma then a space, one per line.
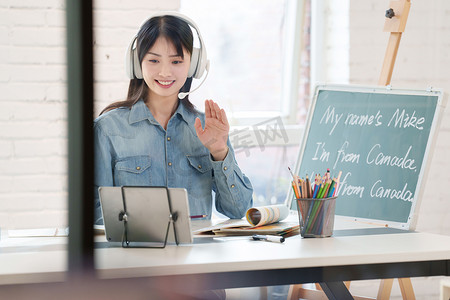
395, 23
396, 17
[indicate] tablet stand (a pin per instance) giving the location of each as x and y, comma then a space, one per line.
124, 217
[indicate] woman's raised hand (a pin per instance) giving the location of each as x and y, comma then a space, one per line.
215, 134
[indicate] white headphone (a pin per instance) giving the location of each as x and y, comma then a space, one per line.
199, 60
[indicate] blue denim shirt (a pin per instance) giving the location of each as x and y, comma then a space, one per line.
133, 149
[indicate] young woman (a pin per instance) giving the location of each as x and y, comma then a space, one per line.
154, 138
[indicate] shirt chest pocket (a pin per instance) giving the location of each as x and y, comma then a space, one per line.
134, 170
202, 163
200, 178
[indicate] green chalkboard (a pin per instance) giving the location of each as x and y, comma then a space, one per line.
380, 139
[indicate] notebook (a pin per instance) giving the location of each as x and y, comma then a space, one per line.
147, 214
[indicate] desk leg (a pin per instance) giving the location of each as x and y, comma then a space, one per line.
336, 290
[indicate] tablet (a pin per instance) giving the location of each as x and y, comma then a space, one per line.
147, 214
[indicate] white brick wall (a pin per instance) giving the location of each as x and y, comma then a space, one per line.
33, 100
33, 134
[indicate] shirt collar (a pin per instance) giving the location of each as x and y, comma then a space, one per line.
185, 114
140, 112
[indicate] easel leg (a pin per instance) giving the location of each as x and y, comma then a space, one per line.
389, 58
406, 288
384, 291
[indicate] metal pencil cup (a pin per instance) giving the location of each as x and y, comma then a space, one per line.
316, 216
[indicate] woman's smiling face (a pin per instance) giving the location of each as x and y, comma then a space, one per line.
164, 70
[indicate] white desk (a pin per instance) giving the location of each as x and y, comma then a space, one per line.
238, 261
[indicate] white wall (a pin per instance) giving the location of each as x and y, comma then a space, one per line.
329, 42
33, 100
33, 134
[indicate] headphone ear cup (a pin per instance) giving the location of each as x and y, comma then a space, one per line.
132, 65
194, 62
129, 64
202, 66
136, 65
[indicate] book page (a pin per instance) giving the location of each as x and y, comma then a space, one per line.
257, 221
258, 216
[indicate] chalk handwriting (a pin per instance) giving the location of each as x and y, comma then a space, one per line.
378, 191
361, 120
331, 117
377, 157
323, 155
405, 120
343, 156
347, 189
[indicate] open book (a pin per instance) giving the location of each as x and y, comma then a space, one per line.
259, 220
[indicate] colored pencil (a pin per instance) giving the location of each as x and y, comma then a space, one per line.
308, 186
338, 181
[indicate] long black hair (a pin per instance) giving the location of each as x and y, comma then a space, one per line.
174, 30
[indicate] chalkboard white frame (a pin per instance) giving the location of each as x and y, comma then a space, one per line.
410, 224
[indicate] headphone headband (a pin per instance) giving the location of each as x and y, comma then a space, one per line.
199, 61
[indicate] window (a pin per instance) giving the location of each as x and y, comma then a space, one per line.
259, 54
253, 47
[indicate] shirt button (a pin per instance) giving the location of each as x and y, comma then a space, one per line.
138, 168
225, 168
168, 138
232, 186
199, 166
170, 164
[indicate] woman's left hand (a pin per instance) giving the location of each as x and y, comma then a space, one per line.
215, 135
